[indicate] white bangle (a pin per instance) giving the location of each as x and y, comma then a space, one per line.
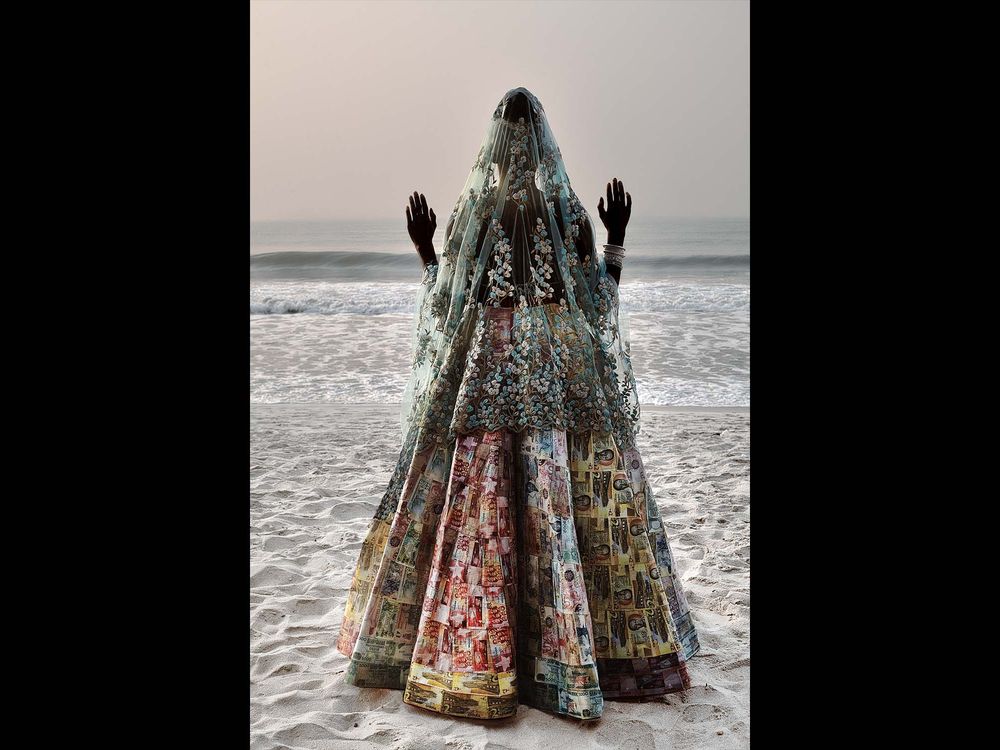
614, 255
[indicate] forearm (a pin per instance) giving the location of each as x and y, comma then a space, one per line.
428, 256
615, 271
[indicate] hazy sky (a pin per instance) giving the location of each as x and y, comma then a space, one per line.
353, 105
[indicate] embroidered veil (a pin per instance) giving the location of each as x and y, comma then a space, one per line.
519, 237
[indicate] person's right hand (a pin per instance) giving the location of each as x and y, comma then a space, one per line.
421, 223
618, 212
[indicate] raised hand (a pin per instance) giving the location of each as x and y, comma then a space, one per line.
421, 223
617, 213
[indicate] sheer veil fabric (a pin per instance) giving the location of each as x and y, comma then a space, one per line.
519, 237
518, 555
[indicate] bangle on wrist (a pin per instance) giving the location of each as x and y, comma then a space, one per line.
614, 255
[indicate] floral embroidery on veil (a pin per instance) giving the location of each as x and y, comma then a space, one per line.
519, 241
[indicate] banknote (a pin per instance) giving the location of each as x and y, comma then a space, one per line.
406, 554
487, 524
620, 539
569, 644
560, 492
600, 545
376, 650
416, 502
480, 654
559, 447
409, 588
619, 686
508, 682
687, 636
458, 704
584, 627
621, 586
602, 639
473, 608
428, 643
539, 694
549, 671
483, 682
674, 681
600, 482
462, 459
377, 675
579, 453
437, 466
550, 633
530, 616
507, 566
619, 634
584, 703
657, 683
603, 451
443, 600
458, 607
658, 632
504, 526
501, 648
633, 466
388, 614
533, 531
638, 630
421, 695
407, 622
392, 580
636, 527
643, 588
642, 554
572, 588
492, 574
566, 542
581, 677
660, 663
419, 673
501, 706
364, 592
582, 500
544, 442
496, 612
366, 558
461, 650
622, 486
546, 592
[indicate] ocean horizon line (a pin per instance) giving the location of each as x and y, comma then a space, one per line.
401, 216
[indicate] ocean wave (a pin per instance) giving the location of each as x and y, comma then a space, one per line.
375, 266
329, 298
669, 296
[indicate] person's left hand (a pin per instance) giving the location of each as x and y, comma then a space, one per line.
618, 212
421, 224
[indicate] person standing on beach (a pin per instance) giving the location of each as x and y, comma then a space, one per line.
518, 555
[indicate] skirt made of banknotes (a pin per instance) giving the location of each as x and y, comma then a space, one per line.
519, 567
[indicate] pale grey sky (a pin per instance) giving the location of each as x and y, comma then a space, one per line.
353, 105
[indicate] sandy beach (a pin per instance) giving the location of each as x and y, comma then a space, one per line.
317, 472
